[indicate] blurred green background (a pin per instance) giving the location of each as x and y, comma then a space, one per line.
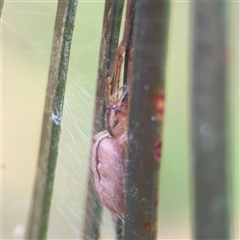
27, 31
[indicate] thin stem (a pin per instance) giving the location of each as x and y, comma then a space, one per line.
145, 119
208, 121
1, 7
40, 208
109, 42
129, 23
129, 43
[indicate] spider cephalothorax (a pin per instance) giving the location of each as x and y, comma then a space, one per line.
116, 119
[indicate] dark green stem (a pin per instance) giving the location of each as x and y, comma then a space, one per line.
109, 43
145, 118
1, 7
208, 121
40, 208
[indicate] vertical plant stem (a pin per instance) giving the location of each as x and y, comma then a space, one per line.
129, 43
40, 208
127, 68
109, 43
1, 7
208, 121
145, 118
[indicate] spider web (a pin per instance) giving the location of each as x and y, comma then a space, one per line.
27, 44
27, 30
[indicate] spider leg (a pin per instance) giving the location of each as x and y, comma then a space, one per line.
100, 135
115, 94
109, 99
117, 62
117, 76
123, 138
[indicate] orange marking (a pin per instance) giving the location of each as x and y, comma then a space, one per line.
158, 104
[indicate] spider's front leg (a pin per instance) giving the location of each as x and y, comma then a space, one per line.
115, 70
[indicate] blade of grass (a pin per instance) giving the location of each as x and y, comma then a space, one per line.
109, 43
145, 118
1, 6
40, 208
208, 121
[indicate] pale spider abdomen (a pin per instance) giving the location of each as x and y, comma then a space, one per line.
108, 164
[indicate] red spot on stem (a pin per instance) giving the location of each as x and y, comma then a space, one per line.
158, 104
147, 226
157, 150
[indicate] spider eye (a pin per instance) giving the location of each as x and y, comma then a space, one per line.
111, 109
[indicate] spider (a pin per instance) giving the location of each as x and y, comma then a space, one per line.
109, 151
